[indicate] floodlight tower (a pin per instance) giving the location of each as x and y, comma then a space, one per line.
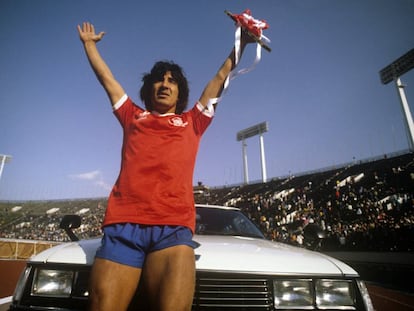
393, 72
3, 160
258, 129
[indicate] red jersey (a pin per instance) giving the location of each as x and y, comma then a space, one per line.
155, 183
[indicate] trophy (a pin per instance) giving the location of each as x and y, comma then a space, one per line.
253, 27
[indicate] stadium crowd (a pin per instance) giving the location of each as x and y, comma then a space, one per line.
361, 207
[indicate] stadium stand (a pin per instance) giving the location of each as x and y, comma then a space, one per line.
364, 206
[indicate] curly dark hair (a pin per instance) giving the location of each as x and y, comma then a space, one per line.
157, 73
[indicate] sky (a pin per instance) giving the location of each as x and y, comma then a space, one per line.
319, 89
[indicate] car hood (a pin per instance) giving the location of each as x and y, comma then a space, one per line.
225, 254
81, 252
243, 254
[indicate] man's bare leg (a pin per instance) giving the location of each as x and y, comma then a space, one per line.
169, 276
112, 285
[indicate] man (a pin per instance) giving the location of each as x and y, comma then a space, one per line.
150, 218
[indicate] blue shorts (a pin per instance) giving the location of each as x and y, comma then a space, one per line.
129, 243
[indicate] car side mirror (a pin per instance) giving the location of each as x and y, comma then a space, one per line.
313, 235
70, 222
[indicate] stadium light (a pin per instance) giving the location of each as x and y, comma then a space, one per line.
398, 67
3, 160
393, 72
242, 135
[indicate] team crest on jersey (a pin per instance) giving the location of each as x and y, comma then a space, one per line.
177, 121
142, 115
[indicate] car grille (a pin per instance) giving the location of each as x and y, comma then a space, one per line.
213, 291
231, 293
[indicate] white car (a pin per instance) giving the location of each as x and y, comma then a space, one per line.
237, 269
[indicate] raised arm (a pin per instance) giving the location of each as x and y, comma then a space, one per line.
215, 86
89, 39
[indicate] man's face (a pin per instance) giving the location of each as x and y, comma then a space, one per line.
165, 94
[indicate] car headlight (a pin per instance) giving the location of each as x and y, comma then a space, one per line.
57, 283
335, 294
292, 293
308, 293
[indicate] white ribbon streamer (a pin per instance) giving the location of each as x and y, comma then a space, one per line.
234, 73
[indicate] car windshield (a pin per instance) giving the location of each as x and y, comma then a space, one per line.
215, 221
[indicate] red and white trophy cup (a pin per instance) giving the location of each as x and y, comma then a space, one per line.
254, 28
